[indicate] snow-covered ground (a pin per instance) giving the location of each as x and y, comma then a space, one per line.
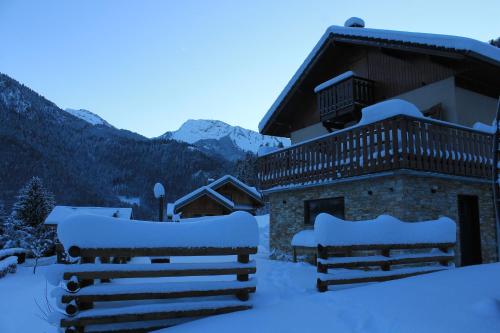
23, 300
460, 300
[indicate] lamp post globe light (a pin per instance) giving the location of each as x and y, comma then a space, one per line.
159, 192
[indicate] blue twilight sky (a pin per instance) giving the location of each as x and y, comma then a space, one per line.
148, 66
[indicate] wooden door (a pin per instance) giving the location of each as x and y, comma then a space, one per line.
470, 234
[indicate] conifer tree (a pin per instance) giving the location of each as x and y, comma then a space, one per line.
24, 227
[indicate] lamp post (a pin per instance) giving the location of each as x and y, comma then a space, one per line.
159, 192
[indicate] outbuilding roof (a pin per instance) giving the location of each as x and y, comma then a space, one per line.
59, 213
211, 191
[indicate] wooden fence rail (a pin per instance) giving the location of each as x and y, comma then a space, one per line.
340, 265
400, 142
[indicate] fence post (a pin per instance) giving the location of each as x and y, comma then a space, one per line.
244, 259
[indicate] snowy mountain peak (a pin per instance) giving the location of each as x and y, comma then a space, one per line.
193, 131
88, 116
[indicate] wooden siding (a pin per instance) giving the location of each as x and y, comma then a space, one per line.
395, 75
203, 206
236, 195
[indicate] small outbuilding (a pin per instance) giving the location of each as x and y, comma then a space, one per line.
59, 213
221, 197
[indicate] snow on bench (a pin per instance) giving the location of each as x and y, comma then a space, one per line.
349, 252
8, 265
124, 288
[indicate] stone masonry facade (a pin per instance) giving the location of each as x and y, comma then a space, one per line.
409, 197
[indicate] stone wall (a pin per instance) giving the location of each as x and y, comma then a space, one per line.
409, 197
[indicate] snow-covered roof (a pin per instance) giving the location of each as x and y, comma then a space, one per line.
204, 190
170, 208
210, 190
60, 213
252, 191
468, 46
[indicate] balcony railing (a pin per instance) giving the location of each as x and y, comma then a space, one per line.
401, 142
345, 97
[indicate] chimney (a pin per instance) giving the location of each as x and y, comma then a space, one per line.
354, 22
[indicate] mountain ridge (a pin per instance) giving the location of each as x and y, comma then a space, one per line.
194, 131
89, 165
88, 116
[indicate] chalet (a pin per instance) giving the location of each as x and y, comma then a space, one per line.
438, 165
222, 196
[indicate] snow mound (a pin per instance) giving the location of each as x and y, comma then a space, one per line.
387, 109
304, 238
385, 229
489, 307
238, 229
484, 127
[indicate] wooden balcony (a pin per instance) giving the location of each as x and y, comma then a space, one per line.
342, 101
400, 142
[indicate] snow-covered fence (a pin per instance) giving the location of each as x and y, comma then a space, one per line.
9, 258
360, 252
143, 303
304, 244
8, 265
17, 252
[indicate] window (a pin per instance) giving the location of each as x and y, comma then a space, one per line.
332, 206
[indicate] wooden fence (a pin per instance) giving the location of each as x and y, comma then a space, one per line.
81, 289
352, 267
400, 142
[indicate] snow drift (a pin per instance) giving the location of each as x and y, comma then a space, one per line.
461, 300
332, 231
387, 109
238, 229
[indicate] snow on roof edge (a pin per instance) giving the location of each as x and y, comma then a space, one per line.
456, 43
197, 193
251, 190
